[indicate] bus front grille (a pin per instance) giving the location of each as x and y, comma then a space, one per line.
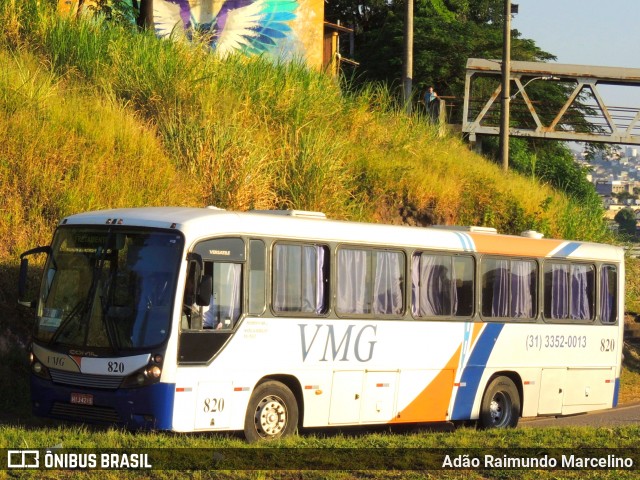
86, 380
89, 413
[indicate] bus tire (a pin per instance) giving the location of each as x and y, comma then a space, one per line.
500, 406
272, 412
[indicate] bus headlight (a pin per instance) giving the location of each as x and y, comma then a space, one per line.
39, 370
153, 372
147, 376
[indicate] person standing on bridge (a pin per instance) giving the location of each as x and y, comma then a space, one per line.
431, 103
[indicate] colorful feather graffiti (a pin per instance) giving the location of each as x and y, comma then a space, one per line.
252, 27
279, 29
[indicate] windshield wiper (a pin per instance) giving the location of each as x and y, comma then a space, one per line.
108, 323
79, 309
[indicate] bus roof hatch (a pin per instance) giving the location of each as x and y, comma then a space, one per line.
293, 213
467, 228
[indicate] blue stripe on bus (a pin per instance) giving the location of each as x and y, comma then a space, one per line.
616, 391
567, 250
473, 371
465, 241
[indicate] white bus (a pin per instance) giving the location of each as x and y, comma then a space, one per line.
190, 319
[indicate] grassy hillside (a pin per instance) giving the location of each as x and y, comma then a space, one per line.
97, 116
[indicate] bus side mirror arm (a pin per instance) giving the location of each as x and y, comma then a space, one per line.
24, 269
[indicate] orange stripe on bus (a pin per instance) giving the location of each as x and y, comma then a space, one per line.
477, 328
77, 359
432, 403
529, 247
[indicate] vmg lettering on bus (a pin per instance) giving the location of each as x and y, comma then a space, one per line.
349, 351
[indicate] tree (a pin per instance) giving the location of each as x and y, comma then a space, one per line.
625, 196
446, 33
626, 220
124, 12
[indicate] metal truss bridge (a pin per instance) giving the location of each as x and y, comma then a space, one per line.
578, 114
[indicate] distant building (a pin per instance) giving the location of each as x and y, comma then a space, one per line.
612, 187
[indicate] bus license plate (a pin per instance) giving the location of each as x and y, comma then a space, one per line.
82, 398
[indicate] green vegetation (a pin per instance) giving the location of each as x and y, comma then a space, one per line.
626, 220
632, 286
446, 34
93, 103
462, 441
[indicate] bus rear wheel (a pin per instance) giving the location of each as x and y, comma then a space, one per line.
272, 412
500, 406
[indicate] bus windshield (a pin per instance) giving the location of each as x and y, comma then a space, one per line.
108, 288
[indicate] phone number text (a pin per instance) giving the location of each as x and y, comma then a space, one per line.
538, 342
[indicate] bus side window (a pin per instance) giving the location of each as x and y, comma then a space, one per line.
569, 291
300, 278
509, 288
608, 294
370, 282
256, 277
441, 285
225, 304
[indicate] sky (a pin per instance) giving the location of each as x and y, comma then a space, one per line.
587, 32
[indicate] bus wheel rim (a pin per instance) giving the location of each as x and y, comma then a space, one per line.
500, 409
271, 416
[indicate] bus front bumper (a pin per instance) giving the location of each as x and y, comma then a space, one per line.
143, 408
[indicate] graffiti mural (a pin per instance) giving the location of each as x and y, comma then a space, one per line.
280, 29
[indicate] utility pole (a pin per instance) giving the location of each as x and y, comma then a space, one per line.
407, 75
145, 8
506, 94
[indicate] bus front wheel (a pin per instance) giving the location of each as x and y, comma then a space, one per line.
272, 412
500, 404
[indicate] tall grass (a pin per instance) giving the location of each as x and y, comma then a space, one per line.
240, 133
405, 449
61, 152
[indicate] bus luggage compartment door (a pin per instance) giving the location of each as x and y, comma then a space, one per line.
363, 397
379, 397
588, 387
552, 384
346, 397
